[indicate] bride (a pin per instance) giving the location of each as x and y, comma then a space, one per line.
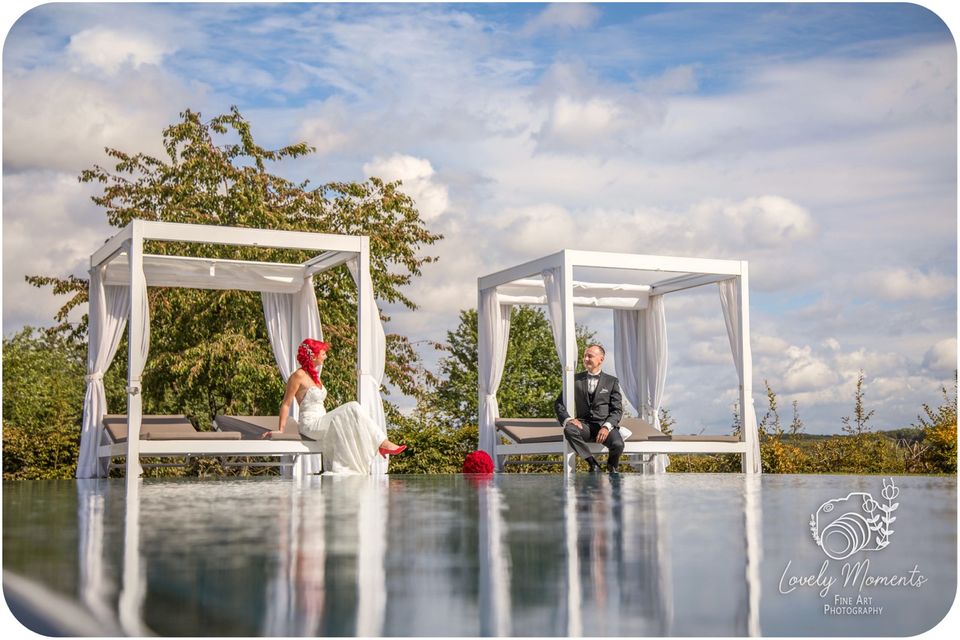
348, 435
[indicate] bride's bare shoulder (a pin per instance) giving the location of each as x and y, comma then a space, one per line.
299, 377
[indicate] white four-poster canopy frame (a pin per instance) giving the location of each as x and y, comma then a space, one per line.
122, 261
550, 281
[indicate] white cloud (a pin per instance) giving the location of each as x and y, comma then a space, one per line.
941, 357
59, 120
327, 127
765, 345
564, 15
581, 123
768, 221
712, 352
805, 371
538, 230
909, 284
110, 49
50, 229
417, 175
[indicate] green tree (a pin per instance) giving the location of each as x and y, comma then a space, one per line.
770, 423
209, 349
860, 414
938, 453
666, 421
43, 391
796, 424
531, 379
945, 414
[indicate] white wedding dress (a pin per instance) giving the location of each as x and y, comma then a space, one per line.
349, 436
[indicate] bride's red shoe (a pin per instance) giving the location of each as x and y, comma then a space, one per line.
392, 452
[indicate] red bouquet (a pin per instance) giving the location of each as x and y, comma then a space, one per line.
478, 462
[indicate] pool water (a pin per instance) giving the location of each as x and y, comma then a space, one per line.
515, 555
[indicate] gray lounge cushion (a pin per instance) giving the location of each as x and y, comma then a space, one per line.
531, 430
254, 427
642, 430
538, 430
161, 427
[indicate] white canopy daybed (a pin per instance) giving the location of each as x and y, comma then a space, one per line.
640, 341
120, 273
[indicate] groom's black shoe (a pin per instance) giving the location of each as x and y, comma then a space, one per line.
613, 470
594, 466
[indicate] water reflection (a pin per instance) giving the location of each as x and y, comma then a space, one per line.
448, 555
331, 556
95, 586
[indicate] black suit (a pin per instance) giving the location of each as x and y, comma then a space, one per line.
603, 406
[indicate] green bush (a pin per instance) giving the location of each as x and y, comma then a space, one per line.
43, 391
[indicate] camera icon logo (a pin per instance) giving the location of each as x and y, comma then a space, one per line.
858, 522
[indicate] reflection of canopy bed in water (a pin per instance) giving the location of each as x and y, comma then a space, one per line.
614, 558
633, 287
301, 597
120, 273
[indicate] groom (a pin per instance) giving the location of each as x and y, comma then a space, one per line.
598, 408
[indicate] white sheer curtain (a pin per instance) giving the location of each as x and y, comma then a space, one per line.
655, 369
553, 288
109, 308
290, 319
638, 333
730, 300
626, 351
493, 334
372, 370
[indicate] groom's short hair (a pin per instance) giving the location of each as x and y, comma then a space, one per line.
603, 351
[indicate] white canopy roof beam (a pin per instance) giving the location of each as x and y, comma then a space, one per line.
685, 282
525, 270
111, 247
209, 273
212, 234
578, 301
653, 263
326, 261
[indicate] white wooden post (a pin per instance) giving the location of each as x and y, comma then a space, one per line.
570, 355
746, 389
364, 312
135, 326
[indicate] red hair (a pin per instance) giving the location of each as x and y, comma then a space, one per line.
308, 350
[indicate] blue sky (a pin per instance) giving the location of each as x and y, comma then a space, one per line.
817, 141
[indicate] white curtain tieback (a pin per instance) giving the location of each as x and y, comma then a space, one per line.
569, 368
134, 387
93, 376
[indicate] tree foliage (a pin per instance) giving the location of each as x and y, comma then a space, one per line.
861, 416
209, 349
43, 391
531, 379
